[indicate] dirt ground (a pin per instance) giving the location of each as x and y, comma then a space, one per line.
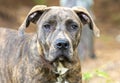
107, 46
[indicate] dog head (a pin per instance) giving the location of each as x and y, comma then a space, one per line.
59, 30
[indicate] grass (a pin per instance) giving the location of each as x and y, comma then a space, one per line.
87, 76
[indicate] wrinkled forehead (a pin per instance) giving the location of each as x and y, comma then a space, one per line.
60, 14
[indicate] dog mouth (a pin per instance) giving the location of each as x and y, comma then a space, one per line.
64, 61
55, 55
62, 56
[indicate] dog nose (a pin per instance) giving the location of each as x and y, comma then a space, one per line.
62, 44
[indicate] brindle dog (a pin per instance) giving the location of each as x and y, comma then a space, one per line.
49, 55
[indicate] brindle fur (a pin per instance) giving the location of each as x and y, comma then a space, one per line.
20, 61
23, 58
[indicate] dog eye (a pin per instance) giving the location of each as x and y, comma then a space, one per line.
47, 26
74, 26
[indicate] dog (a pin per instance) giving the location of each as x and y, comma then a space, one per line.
49, 55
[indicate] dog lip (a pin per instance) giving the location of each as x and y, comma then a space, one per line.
62, 58
59, 55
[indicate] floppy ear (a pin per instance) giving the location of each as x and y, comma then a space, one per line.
32, 16
86, 19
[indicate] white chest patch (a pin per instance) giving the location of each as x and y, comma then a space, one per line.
61, 71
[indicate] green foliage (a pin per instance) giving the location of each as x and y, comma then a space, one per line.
101, 74
40, 2
87, 76
97, 73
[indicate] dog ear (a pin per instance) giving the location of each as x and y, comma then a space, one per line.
32, 16
86, 19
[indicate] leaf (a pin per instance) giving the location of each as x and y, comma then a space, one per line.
87, 76
102, 74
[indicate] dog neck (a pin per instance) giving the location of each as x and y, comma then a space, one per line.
61, 72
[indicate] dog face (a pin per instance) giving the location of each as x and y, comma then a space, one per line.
59, 30
60, 33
